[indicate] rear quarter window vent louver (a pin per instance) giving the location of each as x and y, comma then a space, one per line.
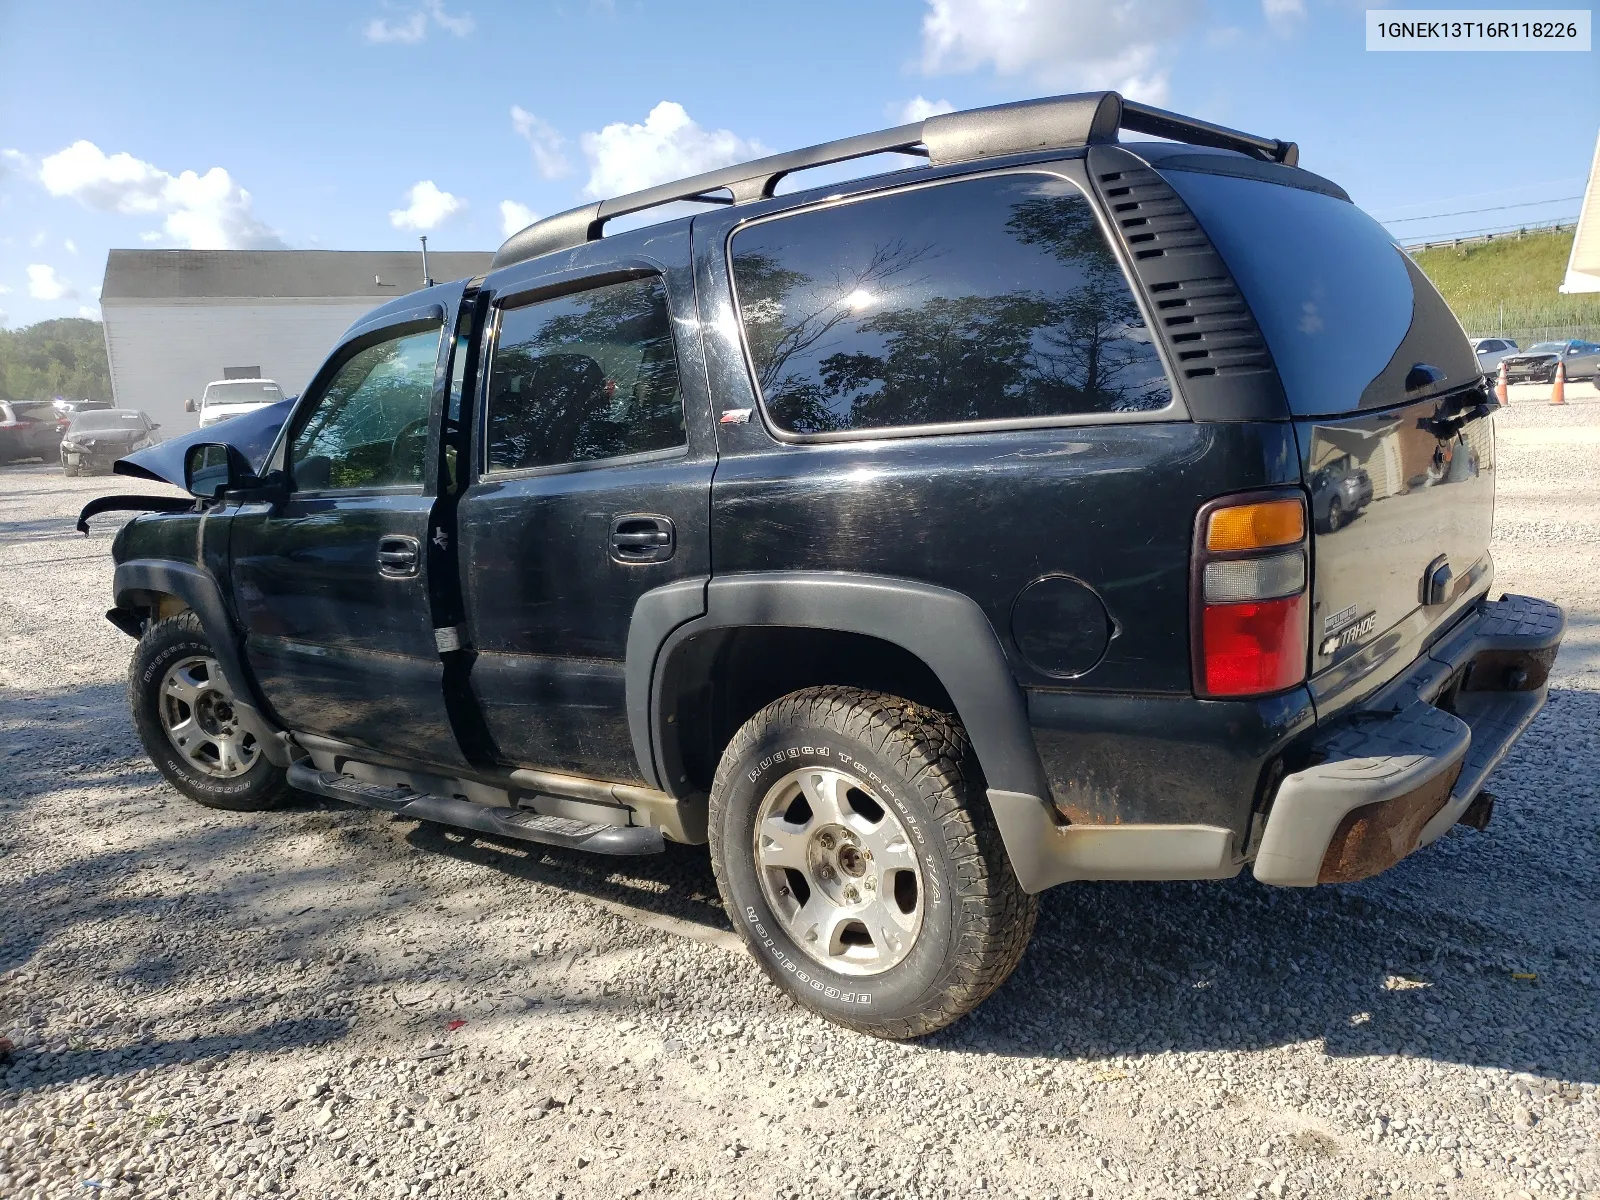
1226, 371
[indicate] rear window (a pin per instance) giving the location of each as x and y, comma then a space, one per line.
1330, 289
993, 299
108, 420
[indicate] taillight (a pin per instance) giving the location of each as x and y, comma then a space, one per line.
1249, 595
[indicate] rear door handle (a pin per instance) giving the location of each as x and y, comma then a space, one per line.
642, 538
399, 556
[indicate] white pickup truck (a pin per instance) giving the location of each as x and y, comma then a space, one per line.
224, 398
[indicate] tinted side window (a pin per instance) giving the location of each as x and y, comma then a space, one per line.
982, 300
583, 377
370, 428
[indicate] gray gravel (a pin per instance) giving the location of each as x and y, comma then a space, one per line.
326, 1001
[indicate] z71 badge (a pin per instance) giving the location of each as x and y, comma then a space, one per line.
1354, 629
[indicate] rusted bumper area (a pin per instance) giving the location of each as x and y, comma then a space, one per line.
1397, 774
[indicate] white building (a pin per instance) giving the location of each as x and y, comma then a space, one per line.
177, 319
1583, 269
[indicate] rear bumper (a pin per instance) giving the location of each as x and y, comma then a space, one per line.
1395, 775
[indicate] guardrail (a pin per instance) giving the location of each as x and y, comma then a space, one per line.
1473, 236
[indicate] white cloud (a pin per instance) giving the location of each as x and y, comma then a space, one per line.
72, 246
459, 26
413, 27
1283, 15
669, 145
544, 140
427, 208
89, 312
4, 290
515, 216
919, 109
407, 32
38, 240
45, 284
201, 212
1057, 43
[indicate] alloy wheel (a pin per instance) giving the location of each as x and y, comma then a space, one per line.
839, 871
200, 720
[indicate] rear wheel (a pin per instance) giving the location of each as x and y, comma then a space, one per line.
859, 860
184, 712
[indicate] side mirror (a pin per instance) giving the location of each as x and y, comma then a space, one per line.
155, 424
212, 468
188, 405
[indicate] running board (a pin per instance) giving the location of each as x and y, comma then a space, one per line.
522, 824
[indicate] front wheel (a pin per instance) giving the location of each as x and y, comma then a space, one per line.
183, 710
859, 861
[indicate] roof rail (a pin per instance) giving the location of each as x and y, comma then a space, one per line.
1057, 122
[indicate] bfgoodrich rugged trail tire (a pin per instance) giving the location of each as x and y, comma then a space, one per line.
168, 681
907, 777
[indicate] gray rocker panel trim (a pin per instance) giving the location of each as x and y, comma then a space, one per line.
943, 628
200, 592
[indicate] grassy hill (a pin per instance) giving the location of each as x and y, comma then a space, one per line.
55, 358
1520, 274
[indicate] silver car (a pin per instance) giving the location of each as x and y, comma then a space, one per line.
1537, 364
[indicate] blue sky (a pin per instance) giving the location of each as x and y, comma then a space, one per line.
358, 125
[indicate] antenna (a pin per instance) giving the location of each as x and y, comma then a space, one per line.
427, 280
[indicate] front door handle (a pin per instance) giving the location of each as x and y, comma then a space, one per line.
399, 556
642, 538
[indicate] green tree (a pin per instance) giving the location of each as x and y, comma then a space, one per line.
65, 357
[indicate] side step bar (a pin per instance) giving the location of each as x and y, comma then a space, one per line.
518, 823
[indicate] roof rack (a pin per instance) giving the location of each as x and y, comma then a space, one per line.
1058, 122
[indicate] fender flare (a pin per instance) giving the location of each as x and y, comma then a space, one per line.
199, 591
945, 629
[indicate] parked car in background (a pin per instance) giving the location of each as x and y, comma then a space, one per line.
70, 408
224, 398
1537, 364
29, 429
1490, 350
98, 438
1339, 490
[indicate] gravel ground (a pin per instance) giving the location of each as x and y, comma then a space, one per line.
327, 1001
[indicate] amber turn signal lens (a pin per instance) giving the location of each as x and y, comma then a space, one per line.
1256, 526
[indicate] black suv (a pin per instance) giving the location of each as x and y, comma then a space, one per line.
921, 542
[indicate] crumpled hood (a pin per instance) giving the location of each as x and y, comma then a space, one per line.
251, 433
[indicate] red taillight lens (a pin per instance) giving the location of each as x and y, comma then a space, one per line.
1250, 649
1249, 593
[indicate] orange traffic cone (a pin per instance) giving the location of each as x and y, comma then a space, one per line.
1502, 388
1558, 393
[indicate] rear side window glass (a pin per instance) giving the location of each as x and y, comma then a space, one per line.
584, 377
1328, 286
983, 300
370, 427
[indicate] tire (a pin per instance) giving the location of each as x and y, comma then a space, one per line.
1335, 514
174, 670
907, 784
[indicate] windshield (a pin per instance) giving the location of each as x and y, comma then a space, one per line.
1547, 347
110, 419
1332, 292
243, 391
